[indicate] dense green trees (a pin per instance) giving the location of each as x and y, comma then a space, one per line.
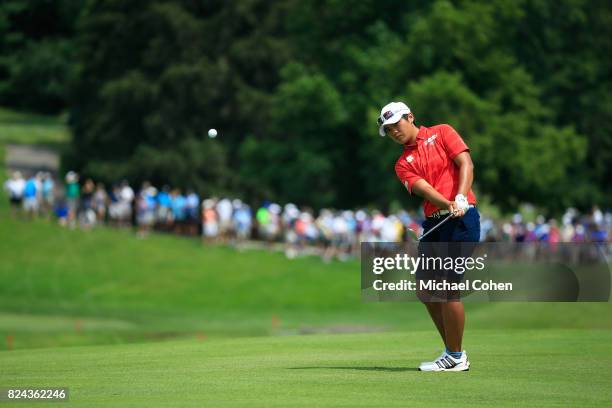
294, 88
37, 54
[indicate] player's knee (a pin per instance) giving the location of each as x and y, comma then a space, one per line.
424, 296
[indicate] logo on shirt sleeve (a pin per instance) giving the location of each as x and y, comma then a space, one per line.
409, 159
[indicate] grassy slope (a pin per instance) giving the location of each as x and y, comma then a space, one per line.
26, 128
60, 286
516, 368
114, 282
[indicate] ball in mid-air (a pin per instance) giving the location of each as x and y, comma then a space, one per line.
212, 133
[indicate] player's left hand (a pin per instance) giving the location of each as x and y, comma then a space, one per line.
460, 205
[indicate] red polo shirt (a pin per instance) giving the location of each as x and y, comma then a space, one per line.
431, 158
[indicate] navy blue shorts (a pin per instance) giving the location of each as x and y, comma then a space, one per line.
455, 238
464, 229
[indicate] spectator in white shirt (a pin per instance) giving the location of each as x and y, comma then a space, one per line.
14, 187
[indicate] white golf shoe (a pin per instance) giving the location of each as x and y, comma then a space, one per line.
446, 362
428, 363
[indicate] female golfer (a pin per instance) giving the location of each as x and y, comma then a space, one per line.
437, 166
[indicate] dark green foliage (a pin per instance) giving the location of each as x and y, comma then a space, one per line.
37, 58
294, 88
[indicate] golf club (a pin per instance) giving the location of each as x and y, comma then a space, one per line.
414, 236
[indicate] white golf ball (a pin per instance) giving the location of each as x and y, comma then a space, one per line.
212, 133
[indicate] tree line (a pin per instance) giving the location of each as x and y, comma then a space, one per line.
294, 88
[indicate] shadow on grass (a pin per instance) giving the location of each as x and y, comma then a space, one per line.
389, 369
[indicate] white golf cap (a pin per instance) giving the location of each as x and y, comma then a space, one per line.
391, 113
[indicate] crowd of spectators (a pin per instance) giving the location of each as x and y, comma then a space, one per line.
330, 233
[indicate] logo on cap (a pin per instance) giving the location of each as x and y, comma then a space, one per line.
384, 117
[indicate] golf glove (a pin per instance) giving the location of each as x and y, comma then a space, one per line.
462, 202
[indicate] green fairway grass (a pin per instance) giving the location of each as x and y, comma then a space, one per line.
509, 368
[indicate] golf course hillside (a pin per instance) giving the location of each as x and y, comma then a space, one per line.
65, 287
181, 324
169, 321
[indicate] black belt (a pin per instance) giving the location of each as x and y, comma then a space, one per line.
441, 213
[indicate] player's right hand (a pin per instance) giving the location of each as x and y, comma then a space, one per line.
455, 211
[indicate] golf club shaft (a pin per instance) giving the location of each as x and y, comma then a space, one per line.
436, 226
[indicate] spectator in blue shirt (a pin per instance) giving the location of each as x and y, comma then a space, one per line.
30, 196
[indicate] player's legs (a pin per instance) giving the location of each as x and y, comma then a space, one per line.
453, 317
449, 315
435, 312
434, 308
466, 234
